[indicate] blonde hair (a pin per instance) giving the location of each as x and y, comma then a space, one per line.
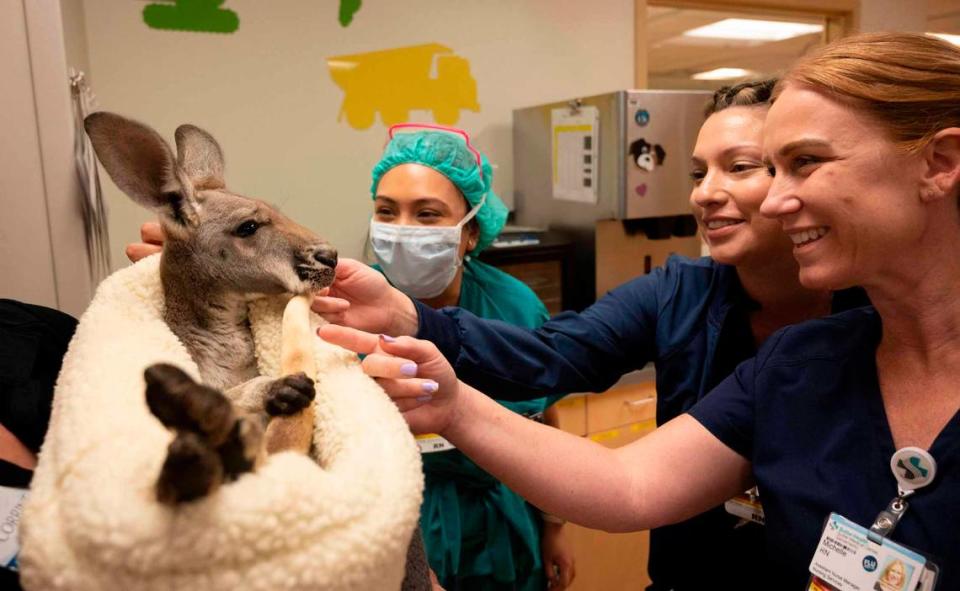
909, 83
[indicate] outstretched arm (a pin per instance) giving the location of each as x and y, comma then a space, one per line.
676, 472
586, 352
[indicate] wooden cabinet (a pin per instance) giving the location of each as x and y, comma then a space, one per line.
572, 414
621, 406
623, 414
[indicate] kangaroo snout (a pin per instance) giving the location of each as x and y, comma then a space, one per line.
326, 255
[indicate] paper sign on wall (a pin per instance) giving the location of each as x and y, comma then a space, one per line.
574, 136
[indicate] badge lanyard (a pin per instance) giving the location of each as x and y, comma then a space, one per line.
914, 469
850, 556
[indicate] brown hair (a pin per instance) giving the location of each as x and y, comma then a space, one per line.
908, 82
745, 94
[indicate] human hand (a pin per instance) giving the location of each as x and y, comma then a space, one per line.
413, 373
152, 235
361, 298
14, 451
558, 562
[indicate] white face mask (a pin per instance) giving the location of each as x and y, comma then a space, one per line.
420, 261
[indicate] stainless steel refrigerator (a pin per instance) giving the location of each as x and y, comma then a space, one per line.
619, 156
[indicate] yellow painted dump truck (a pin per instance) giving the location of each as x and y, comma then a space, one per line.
394, 82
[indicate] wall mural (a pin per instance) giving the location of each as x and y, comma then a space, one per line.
191, 15
348, 8
394, 82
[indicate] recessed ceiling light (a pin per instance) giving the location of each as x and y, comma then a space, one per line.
955, 39
723, 74
746, 29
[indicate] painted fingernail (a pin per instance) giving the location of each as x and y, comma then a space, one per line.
424, 398
409, 369
429, 387
388, 338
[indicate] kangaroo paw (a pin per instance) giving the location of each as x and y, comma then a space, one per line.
192, 470
213, 442
183, 404
289, 394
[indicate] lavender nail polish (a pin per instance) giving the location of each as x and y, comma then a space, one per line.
426, 398
409, 369
430, 387
388, 338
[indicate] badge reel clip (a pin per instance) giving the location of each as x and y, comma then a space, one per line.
913, 468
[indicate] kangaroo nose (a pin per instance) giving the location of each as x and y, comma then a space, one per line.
326, 255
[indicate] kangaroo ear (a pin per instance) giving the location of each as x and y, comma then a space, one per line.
141, 164
200, 157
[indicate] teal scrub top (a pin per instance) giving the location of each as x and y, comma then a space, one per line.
475, 529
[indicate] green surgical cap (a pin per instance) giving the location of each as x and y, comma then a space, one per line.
448, 154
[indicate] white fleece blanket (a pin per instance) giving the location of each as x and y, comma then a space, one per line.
91, 521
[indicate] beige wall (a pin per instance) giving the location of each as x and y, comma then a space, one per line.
265, 93
893, 15
42, 247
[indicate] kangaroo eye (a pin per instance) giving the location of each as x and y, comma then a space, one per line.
246, 229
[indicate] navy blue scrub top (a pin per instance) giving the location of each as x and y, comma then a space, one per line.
691, 319
807, 413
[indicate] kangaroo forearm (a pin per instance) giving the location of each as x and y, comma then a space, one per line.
251, 395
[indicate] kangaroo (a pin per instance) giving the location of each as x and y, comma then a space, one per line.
220, 249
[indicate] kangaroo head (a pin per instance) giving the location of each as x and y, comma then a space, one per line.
221, 240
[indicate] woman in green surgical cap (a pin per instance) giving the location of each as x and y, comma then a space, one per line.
434, 210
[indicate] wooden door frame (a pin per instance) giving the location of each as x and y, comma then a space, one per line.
841, 16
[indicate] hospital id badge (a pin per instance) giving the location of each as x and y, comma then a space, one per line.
847, 560
746, 506
11, 507
430, 443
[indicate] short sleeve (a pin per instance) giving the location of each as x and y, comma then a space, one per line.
728, 411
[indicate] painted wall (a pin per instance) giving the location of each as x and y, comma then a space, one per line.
265, 92
42, 243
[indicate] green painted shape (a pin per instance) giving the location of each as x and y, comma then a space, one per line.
348, 8
191, 15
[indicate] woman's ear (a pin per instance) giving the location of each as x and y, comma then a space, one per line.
473, 235
942, 156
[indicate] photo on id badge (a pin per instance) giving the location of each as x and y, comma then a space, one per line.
893, 576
